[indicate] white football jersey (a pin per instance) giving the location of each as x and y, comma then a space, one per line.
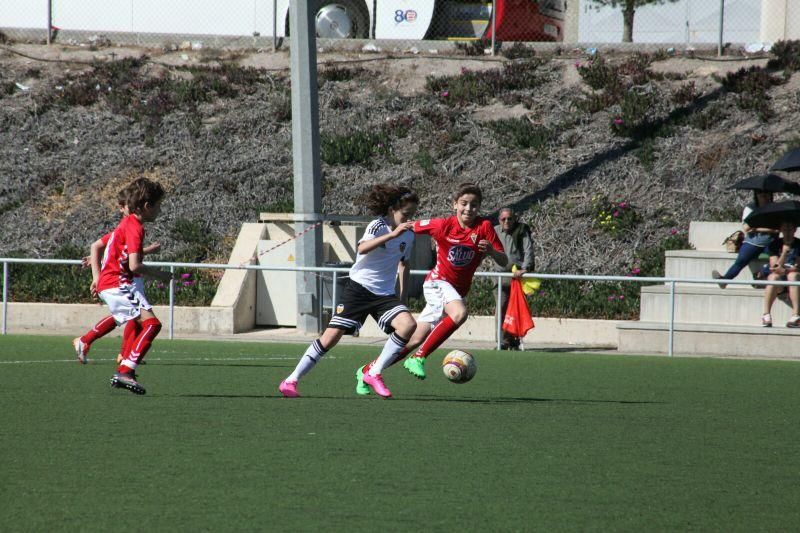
376, 270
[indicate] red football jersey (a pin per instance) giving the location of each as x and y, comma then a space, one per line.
126, 239
457, 255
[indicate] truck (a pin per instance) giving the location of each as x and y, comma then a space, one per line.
516, 20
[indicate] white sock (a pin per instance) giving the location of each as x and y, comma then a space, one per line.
394, 344
312, 356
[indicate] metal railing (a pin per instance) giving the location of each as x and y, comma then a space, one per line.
336, 271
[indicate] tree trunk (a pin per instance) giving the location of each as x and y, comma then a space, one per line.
627, 16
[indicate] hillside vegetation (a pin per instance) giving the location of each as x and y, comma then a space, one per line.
607, 158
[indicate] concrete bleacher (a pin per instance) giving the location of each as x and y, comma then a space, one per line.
709, 320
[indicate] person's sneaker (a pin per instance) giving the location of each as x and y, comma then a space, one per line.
81, 350
716, 275
361, 388
376, 382
794, 322
415, 366
289, 389
766, 321
126, 381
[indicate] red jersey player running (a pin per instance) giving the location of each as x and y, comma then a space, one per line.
461, 242
113, 279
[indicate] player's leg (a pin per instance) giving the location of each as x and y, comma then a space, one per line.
400, 325
132, 302
132, 330
445, 302
83, 343
315, 351
770, 293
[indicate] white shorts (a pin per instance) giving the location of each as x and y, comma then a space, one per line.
126, 302
437, 293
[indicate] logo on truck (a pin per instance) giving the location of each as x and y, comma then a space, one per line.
408, 15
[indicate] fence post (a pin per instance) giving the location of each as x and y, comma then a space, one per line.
274, 26
494, 24
498, 312
49, 20
172, 303
333, 296
5, 297
721, 26
671, 317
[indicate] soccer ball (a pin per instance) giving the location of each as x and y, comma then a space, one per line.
459, 366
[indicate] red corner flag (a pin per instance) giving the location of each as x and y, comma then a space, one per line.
518, 317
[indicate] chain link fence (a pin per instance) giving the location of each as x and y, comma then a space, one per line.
406, 22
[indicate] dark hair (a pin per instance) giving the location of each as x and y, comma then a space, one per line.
143, 191
384, 196
468, 188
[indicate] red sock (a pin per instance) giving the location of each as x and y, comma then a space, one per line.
150, 329
132, 330
437, 336
102, 328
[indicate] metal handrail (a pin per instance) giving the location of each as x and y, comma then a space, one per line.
338, 270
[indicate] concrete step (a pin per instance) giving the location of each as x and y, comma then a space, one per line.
694, 264
710, 339
709, 305
709, 236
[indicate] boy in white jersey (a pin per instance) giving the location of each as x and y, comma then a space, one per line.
383, 252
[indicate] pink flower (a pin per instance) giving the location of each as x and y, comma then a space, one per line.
616, 213
636, 271
673, 231
611, 298
578, 64
621, 296
159, 285
623, 205
618, 121
188, 283
445, 94
186, 276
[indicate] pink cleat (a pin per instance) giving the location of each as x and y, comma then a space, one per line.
289, 389
376, 382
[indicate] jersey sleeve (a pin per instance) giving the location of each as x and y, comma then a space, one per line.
376, 228
430, 226
105, 238
134, 238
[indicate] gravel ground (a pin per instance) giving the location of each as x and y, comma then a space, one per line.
226, 159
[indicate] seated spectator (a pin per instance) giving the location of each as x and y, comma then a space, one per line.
784, 254
755, 242
518, 243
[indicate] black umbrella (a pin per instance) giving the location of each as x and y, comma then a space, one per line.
789, 162
769, 183
774, 214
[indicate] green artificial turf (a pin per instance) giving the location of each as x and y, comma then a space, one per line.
537, 441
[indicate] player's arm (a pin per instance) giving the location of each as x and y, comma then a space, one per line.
403, 275
367, 246
151, 248
95, 251
492, 246
136, 266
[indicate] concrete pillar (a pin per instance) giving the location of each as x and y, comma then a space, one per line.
571, 19
780, 20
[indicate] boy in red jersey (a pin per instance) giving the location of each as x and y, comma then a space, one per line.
113, 279
461, 242
108, 324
